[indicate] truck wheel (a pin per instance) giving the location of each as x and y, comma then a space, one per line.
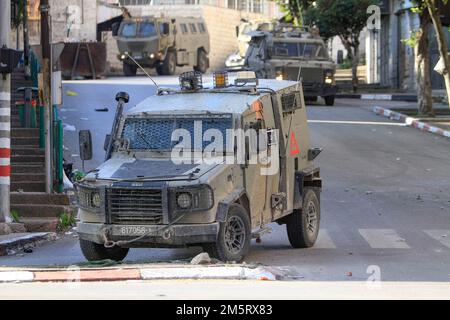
169, 64
303, 225
202, 62
329, 100
233, 241
129, 70
94, 252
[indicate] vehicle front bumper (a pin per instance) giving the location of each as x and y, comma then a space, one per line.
175, 236
314, 89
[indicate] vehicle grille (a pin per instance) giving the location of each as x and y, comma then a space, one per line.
307, 74
135, 206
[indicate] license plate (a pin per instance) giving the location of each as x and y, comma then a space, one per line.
134, 230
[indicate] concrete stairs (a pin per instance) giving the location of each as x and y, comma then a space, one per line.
39, 211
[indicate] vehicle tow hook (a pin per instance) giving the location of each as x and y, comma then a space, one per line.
107, 243
167, 234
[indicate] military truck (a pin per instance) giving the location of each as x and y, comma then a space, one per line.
294, 53
217, 198
162, 43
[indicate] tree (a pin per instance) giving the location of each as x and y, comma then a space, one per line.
421, 42
293, 9
434, 12
345, 19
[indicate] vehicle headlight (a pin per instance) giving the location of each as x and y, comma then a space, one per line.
184, 200
196, 198
89, 198
329, 77
279, 74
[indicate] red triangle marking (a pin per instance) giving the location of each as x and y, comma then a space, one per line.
295, 148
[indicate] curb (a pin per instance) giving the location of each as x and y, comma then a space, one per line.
409, 121
20, 242
75, 274
379, 97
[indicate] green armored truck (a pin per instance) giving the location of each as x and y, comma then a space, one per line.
162, 44
204, 165
297, 54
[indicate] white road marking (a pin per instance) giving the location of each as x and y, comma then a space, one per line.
359, 122
443, 236
324, 241
383, 239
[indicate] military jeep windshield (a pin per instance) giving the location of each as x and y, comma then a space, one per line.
299, 50
143, 29
156, 133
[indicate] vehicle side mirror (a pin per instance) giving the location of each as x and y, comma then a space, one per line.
115, 28
85, 141
106, 144
165, 29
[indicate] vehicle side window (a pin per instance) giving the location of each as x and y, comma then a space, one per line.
201, 27
193, 28
184, 29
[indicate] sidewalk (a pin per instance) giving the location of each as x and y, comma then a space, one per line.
439, 96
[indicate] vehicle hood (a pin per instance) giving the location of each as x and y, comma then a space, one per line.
157, 169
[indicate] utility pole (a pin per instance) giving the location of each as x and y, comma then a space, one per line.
5, 116
47, 91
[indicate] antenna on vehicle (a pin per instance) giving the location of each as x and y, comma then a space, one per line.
140, 67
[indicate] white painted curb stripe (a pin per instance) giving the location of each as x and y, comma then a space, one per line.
5, 143
5, 181
5, 111
5, 96
206, 273
19, 276
5, 126
381, 97
5, 161
412, 122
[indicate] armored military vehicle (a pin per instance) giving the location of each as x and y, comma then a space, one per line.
162, 43
236, 61
293, 53
150, 192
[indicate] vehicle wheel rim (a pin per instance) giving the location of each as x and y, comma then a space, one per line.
235, 235
311, 218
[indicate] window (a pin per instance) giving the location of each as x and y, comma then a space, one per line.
147, 29
201, 27
184, 29
193, 28
129, 29
285, 49
156, 133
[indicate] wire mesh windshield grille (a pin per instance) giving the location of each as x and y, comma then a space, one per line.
156, 134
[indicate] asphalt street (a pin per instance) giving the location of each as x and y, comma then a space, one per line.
385, 202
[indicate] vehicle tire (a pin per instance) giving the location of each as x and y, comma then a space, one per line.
129, 70
202, 61
94, 252
169, 64
233, 241
303, 225
329, 100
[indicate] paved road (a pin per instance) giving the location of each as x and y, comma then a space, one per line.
385, 203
